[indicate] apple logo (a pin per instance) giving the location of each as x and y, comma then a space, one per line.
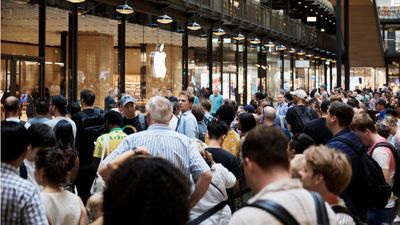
158, 62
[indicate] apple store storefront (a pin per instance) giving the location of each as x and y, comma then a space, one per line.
154, 59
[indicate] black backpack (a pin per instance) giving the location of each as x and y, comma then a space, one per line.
303, 117
93, 125
396, 154
370, 189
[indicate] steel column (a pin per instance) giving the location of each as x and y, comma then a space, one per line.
63, 59
185, 58
245, 72
121, 54
210, 60
339, 43
42, 45
346, 46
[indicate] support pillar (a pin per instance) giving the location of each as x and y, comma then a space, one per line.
245, 71
121, 54
346, 46
42, 45
185, 58
210, 60
339, 43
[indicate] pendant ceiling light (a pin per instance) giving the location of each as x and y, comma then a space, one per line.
281, 48
194, 26
125, 9
255, 41
203, 36
301, 52
270, 44
164, 19
153, 26
292, 50
238, 37
76, 1
309, 55
219, 31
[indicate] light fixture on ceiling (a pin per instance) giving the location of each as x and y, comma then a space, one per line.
76, 1
255, 40
219, 31
153, 26
301, 52
322, 29
193, 25
203, 36
164, 19
292, 50
270, 44
317, 57
125, 8
281, 47
309, 55
238, 37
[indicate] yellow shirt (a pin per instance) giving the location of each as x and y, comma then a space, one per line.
231, 142
114, 138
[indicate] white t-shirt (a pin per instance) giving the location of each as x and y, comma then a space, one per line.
52, 123
62, 208
223, 179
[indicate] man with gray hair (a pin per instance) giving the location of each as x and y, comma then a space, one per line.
163, 142
269, 115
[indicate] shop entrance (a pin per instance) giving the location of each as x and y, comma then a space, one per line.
20, 75
230, 85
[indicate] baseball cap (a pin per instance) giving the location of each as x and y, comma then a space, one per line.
299, 93
249, 108
60, 102
126, 99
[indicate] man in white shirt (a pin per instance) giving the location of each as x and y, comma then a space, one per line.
58, 109
266, 168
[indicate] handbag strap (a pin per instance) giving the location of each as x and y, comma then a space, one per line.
275, 210
322, 215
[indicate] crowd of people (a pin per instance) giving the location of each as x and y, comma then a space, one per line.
308, 158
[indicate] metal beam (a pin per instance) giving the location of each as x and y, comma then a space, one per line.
121, 54
42, 44
210, 59
185, 58
346, 46
338, 43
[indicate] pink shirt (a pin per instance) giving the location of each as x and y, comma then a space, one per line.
384, 157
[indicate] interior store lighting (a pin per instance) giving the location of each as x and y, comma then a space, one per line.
292, 50
76, 1
270, 44
194, 26
301, 52
219, 31
164, 19
203, 36
238, 37
125, 8
255, 41
281, 47
309, 55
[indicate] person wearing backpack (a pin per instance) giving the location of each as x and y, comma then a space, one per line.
90, 125
338, 121
299, 115
384, 154
328, 172
131, 123
277, 199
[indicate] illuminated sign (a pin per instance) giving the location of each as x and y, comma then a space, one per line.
159, 70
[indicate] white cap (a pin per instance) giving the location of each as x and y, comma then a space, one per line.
299, 93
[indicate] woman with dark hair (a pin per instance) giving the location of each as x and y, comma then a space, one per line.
246, 122
66, 142
146, 190
52, 171
299, 143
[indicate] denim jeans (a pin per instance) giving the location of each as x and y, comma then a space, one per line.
385, 216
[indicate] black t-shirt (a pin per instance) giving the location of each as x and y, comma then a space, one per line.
128, 123
292, 114
227, 159
317, 129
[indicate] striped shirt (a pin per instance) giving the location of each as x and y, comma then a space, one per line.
163, 142
20, 199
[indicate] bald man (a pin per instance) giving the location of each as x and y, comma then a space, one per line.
269, 115
12, 109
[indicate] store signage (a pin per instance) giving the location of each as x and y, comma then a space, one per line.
159, 70
302, 63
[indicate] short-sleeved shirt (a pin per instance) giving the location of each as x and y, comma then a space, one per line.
163, 142
232, 142
216, 102
108, 142
20, 199
317, 129
227, 159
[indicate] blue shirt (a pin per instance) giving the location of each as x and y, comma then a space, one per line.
196, 100
163, 142
216, 102
20, 199
187, 125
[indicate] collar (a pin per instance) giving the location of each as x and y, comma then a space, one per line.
280, 185
159, 126
187, 112
13, 119
345, 130
115, 129
7, 167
